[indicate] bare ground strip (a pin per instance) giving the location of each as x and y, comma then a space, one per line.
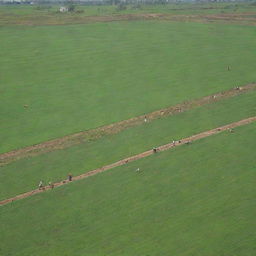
247, 18
93, 134
136, 157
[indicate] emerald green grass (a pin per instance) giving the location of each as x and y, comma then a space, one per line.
83, 76
25, 174
196, 200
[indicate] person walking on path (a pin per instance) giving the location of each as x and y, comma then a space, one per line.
40, 185
70, 177
51, 185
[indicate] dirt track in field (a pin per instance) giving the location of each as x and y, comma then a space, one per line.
248, 18
223, 18
187, 140
94, 134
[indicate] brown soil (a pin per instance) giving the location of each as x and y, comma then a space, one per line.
227, 18
136, 157
82, 137
236, 18
32, 20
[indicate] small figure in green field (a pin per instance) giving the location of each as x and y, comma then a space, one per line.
51, 185
40, 185
70, 177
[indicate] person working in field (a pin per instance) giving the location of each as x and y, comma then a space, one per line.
70, 177
40, 185
51, 185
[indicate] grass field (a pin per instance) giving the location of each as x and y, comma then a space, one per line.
24, 175
65, 73
195, 200
79, 77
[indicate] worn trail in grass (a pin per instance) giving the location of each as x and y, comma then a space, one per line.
173, 144
195, 200
206, 12
24, 175
97, 133
79, 77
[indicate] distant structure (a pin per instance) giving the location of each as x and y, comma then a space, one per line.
63, 9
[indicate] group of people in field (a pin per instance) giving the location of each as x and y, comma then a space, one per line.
173, 144
51, 185
41, 185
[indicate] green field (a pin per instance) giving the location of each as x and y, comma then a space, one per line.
65, 73
79, 77
195, 200
24, 175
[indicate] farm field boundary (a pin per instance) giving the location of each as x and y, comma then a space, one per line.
32, 20
187, 140
94, 134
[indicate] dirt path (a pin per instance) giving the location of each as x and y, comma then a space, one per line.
136, 157
220, 18
94, 134
53, 19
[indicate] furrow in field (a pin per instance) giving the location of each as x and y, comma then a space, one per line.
29, 20
187, 140
94, 134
